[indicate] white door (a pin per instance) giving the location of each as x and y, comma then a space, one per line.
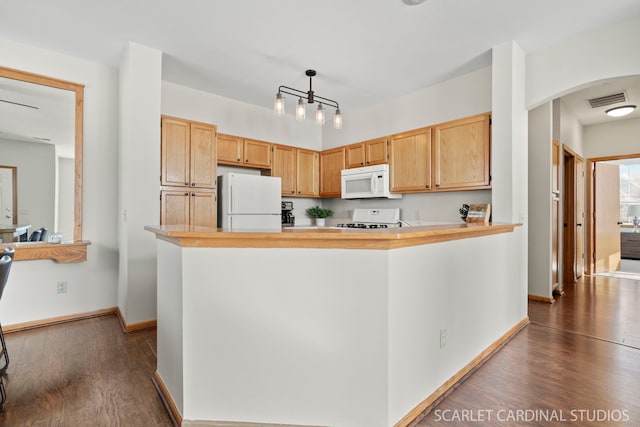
607, 215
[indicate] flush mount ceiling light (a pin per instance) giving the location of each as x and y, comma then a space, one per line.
310, 97
620, 111
413, 2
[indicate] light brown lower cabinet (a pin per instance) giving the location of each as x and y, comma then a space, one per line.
188, 207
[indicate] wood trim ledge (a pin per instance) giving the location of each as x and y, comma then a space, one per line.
65, 252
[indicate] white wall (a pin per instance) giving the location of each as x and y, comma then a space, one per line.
238, 118
612, 138
31, 293
462, 96
138, 177
540, 136
35, 164
570, 130
577, 62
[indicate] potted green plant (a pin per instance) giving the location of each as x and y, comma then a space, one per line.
319, 214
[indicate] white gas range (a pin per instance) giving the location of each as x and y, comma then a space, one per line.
374, 218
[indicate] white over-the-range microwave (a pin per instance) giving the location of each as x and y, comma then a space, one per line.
367, 182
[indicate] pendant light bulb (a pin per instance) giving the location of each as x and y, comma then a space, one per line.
278, 105
337, 120
300, 110
320, 115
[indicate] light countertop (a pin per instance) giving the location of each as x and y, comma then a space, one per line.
324, 237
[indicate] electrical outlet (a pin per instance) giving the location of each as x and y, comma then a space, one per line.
443, 338
62, 287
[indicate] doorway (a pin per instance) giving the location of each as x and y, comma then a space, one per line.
605, 216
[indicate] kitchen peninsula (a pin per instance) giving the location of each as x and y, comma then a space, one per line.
326, 327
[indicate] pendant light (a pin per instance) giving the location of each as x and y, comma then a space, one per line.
310, 97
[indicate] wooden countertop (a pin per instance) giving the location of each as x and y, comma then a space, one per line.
340, 238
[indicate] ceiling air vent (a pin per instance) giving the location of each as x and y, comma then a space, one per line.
603, 101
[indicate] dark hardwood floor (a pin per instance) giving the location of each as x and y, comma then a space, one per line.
83, 373
577, 363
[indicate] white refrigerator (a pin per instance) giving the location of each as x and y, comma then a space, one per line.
249, 202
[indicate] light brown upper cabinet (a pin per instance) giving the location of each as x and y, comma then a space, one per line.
461, 154
188, 154
332, 162
284, 166
238, 151
410, 161
257, 153
307, 173
366, 153
299, 170
230, 149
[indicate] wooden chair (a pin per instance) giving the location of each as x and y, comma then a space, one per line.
5, 267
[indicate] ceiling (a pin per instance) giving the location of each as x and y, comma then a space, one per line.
364, 51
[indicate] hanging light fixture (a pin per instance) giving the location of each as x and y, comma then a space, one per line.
310, 97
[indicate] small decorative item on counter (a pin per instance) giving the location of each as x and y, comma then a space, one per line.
480, 213
464, 211
319, 214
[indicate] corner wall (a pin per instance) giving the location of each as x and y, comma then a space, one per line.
31, 294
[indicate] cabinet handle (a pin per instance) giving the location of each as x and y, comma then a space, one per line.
293, 192
579, 225
193, 184
246, 160
238, 159
193, 194
437, 185
186, 183
186, 194
427, 186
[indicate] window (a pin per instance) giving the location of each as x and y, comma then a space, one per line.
629, 189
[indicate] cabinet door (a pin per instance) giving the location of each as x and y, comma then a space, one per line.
376, 151
230, 149
355, 155
257, 153
174, 207
461, 151
203, 155
307, 174
284, 166
202, 208
410, 161
331, 166
175, 152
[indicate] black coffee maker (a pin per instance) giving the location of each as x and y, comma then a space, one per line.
288, 219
